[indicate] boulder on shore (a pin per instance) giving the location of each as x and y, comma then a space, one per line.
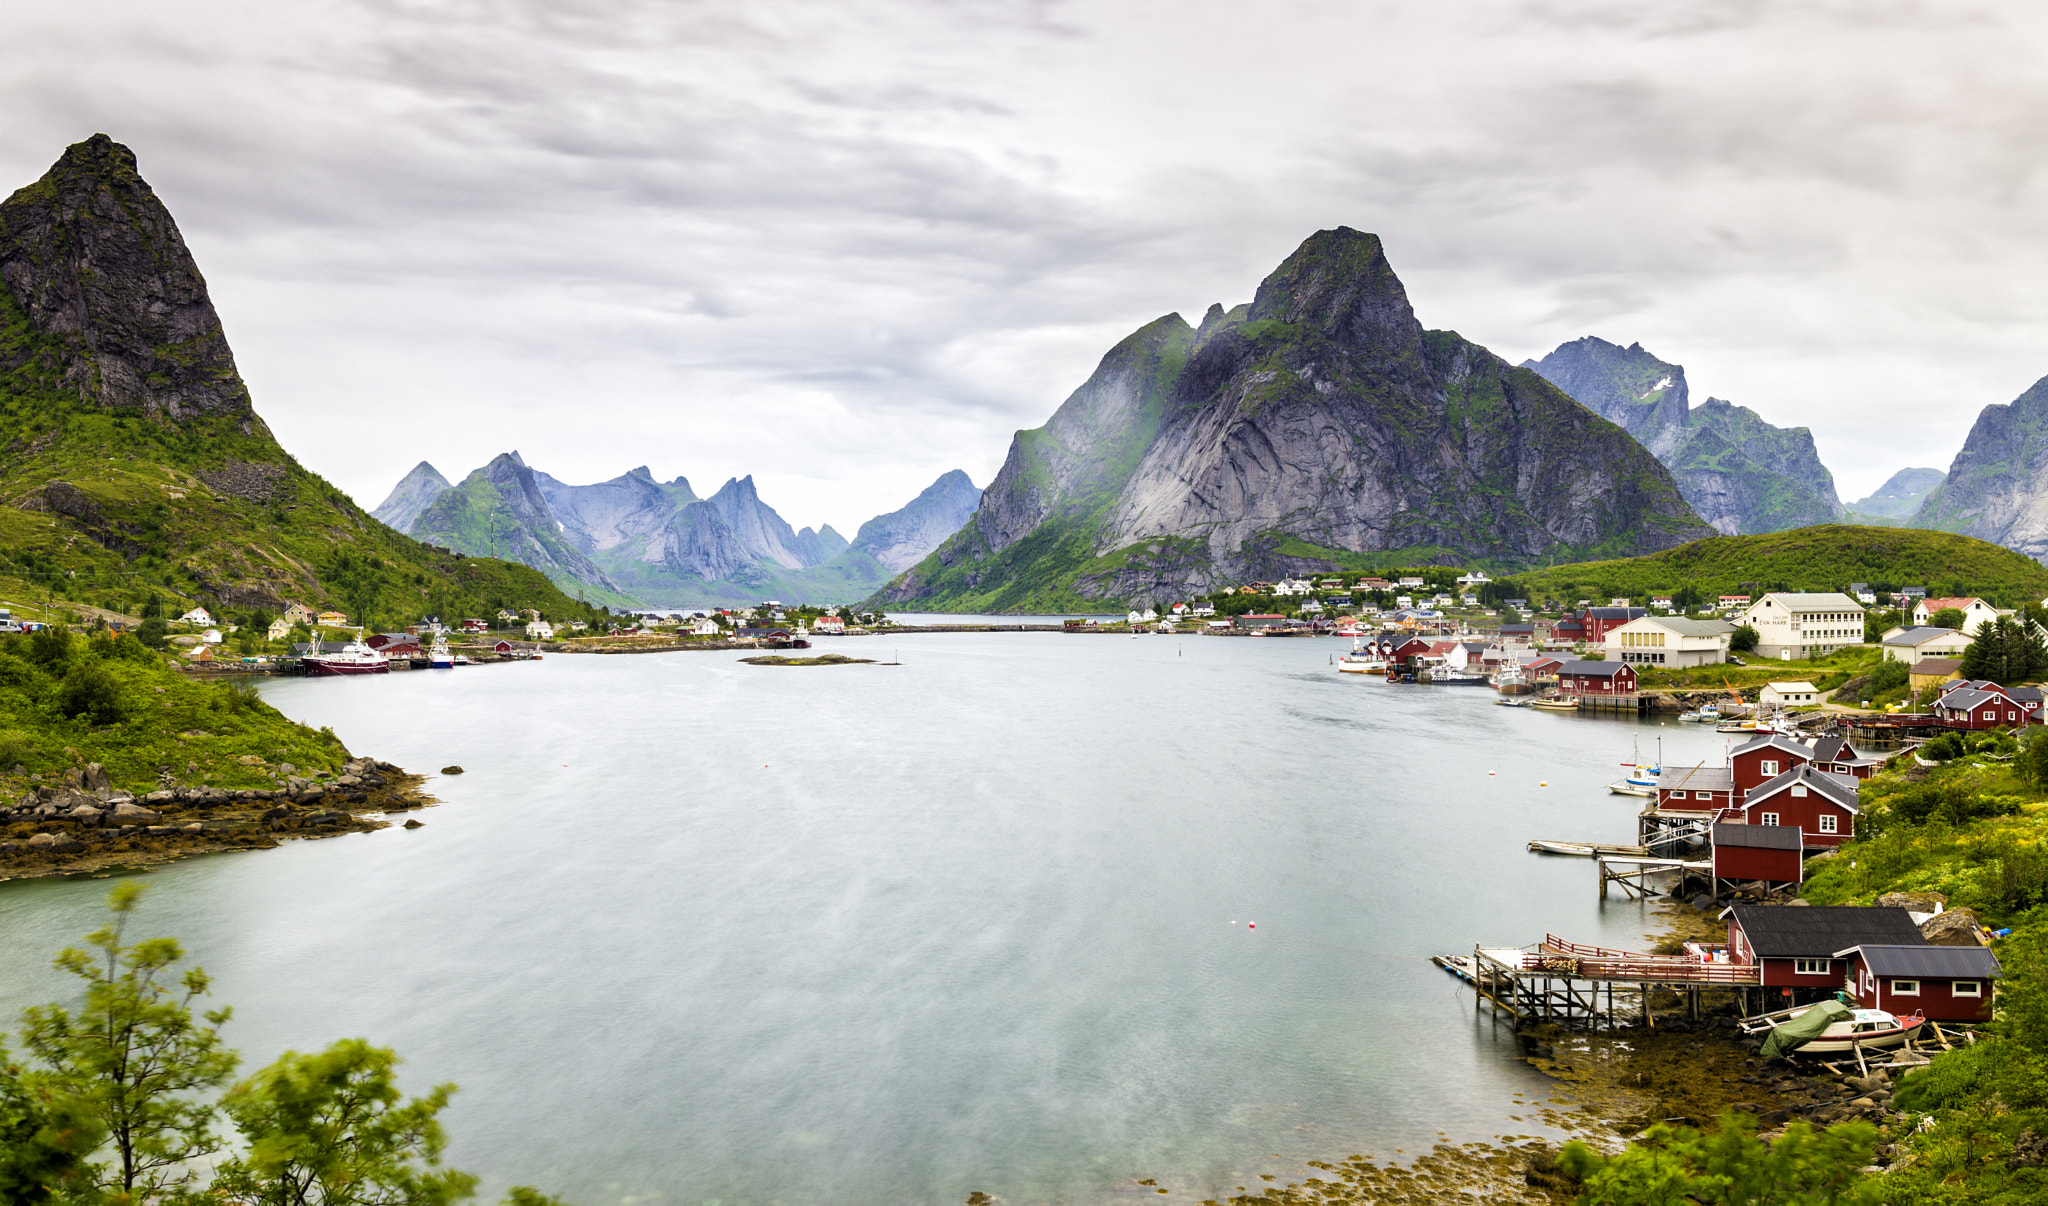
1919, 902
133, 814
1956, 927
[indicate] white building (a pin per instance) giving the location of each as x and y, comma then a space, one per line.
1909, 645
1793, 695
197, 615
539, 630
1804, 625
1975, 612
1670, 641
706, 626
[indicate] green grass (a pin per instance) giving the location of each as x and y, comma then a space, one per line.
1824, 558
1826, 673
199, 731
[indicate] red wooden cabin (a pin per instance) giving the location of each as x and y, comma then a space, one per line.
1821, 805
1772, 853
1793, 946
1596, 678
1946, 983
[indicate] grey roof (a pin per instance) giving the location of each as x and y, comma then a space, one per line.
1699, 778
1617, 613
1818, 931
1761, 837
1773, 741
1693, 628
1966, 699
2024, 694
1918, 636
1591, 669
1815, 601
1841, 789
1927, 962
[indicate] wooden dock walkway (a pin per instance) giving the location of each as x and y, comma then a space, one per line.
1564, 982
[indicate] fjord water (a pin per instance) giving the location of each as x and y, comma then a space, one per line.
694, 931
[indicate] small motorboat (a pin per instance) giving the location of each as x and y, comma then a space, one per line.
1510, 701
1556, 704
1709, 714
1689, 716
1830, 1028
1639, 782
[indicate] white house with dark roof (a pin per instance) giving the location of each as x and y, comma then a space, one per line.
1804, 625
1909, 645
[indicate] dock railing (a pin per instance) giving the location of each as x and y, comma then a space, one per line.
1609, 963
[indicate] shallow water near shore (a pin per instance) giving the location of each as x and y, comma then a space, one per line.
692, 931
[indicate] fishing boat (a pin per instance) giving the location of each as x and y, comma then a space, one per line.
1444, 676
1510, 681
353, 658
1641, 781
1556, 703
1709, 714
438, 657
1360, 661
1839, 1027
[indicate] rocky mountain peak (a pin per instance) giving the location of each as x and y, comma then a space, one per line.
95, 264
1340, 283
412, 495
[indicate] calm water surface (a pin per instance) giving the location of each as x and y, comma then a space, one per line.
690, 931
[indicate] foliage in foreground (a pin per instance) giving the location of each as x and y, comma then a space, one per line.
1676, 1164
119, 1106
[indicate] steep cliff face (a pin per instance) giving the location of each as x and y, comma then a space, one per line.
96, 265
904, 537
410, 496
1318, 425
1901, 495
1997, 488
1741, 474
134, 462
501, 511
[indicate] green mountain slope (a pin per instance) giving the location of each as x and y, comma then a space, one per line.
1827, 557
135, 463
1997, 487
1318, 427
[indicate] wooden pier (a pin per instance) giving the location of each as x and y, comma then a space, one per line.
1577, 985
1632, 875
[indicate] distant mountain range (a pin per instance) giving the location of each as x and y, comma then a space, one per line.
1741, 474
636, 541
1899, 499
1997, 487
1317, 426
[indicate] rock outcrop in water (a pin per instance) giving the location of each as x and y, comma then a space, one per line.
1741, 474
1997, 488
1316, 424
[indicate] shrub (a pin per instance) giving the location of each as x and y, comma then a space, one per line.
240, 696
1743, 639
90, 691
16, 748
1888, 675
151, 633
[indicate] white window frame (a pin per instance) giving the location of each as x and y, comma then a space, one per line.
1769, 818
1827, 822
1975, 988
1799, 789
1905, 988
1768, 767
1811, 967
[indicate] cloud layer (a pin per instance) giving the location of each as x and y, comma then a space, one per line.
847, 248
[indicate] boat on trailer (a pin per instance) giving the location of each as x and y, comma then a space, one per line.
1846, 1030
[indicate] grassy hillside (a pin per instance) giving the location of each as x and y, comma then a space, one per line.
69, 700
109, 507
1827, 557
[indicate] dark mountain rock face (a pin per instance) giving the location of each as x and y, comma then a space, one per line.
93, 262
632, 507
410, 496
1321, 420
1901, 494
1997, 489
904, 537
1741, 474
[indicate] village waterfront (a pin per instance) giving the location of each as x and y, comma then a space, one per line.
691, 931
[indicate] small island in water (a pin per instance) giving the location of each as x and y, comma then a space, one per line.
826, 659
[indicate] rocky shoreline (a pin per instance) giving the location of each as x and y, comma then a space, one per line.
82, 824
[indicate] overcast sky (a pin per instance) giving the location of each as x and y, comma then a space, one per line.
846, 247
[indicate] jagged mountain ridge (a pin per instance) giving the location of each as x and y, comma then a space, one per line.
1997, 487
904, 537
633, 539
135, 460
1318, 426
1741, 474
410, 496
1901, 495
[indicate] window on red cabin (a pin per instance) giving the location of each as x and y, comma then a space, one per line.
1905, 988
1810, 967
1769, 818
1966, 988
1827, 823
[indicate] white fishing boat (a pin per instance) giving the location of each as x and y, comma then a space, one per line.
1709, 714
438, 657
353, 658
1360, 661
